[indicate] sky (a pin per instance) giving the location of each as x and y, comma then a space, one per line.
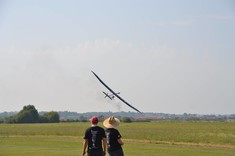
164, 56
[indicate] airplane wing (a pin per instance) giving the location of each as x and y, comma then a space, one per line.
115, 93
106, 95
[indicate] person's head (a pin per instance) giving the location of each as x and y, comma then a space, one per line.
111, 122
94, 120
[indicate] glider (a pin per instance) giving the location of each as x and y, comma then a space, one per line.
115, 93
110, 96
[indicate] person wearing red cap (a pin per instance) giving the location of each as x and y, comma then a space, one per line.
94, 139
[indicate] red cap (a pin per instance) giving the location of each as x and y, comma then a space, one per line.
94, 119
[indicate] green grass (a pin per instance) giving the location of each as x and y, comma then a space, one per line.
38, 146
180, 131
71, 146
143, 149
163, 138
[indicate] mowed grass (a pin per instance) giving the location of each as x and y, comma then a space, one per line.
163, 138
182, 131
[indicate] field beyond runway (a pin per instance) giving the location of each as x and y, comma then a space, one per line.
164, 138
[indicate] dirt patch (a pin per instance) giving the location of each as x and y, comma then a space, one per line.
181, 143
135, 140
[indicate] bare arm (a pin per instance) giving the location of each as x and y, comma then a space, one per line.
104, 145
85, 142
120, 141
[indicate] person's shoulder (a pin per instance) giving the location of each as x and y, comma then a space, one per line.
97, 128
87, 129
101, 128
111, 129
115, 130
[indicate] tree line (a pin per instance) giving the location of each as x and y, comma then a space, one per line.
29, 114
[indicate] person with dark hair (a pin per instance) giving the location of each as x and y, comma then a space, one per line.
113, 137
94, 139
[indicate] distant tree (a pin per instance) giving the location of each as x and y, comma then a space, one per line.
1, 120
126, 119
50, 117
10, 119
83, 119
28, 115
43, 119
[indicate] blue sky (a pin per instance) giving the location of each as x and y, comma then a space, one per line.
163, 56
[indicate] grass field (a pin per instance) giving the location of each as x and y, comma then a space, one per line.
164, 138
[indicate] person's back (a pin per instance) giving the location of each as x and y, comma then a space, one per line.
94, 138
94, 135
113, 137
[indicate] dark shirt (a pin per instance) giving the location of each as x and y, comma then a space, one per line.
94, 135
112, 136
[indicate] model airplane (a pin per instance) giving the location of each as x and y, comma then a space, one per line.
115, 94
110, 96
